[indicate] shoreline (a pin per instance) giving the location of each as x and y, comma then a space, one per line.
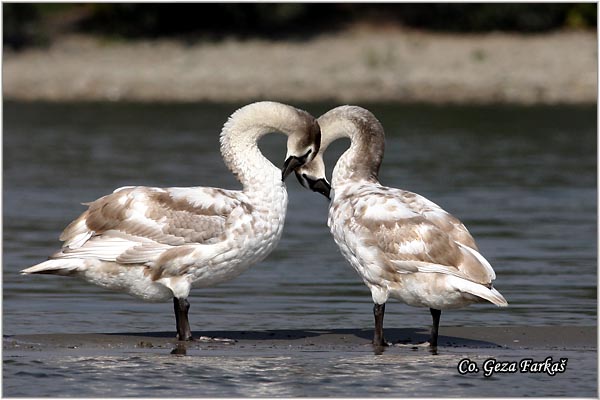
307, 362
506, 337
357, 65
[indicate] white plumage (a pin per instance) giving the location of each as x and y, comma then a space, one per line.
401, 244
158, 243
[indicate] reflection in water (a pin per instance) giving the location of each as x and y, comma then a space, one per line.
378, 350
180, 349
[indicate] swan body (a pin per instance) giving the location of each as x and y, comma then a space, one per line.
401, 244
158, 243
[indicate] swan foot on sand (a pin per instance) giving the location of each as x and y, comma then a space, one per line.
184, 333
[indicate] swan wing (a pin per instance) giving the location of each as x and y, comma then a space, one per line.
435, 214
138, 224
401, 237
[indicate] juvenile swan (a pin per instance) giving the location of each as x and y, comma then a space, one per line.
401, 244
156, 244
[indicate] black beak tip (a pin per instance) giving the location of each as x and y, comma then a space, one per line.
323, 187
316, 185
292, 163
289, 166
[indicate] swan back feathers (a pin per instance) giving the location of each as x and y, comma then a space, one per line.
405, 233
171, 216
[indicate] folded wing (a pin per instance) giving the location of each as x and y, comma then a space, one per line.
135, 225
410, 234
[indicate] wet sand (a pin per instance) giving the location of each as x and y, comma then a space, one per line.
301, 363
362, 64
565, 337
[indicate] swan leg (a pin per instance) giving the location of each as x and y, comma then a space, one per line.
182, 307
378, 312
435, 315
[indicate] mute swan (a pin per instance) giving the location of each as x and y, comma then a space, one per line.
401, 244
156, 244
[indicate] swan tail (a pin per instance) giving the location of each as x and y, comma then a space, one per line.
54, 267
476, 289
497, 298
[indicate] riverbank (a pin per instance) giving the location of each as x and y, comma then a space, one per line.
470, 362
509, 337
356, 65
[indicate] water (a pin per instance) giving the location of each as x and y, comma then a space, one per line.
522, 179
398, 373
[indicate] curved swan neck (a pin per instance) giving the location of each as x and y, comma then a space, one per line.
241, 133
362, 160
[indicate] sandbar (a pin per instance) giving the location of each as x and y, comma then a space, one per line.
510, 337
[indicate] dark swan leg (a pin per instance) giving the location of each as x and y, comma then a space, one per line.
181, 318
378, 312
435, 315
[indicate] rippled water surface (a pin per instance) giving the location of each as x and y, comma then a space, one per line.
294, 374
522, 179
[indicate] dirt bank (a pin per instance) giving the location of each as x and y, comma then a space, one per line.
356, 65
512, 337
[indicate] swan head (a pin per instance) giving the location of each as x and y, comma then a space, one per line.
303, 144
367, 139
335, 124
312, 176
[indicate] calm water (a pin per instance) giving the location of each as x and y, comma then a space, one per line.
523, 180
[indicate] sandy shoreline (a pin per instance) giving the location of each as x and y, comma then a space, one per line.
305, 363
512, 337
356, 65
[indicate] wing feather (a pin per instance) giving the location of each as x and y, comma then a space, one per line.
138, 224
407, 233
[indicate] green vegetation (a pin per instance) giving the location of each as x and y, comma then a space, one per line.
27, 24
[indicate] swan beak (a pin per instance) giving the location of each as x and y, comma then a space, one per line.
316, 185
290, 165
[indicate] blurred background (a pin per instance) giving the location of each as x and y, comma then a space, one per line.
37, 24
465, 53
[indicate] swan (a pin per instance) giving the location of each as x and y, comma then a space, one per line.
401, 244
158, 243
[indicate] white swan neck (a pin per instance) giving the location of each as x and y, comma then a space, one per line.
239, 144
362, 160
245, 160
